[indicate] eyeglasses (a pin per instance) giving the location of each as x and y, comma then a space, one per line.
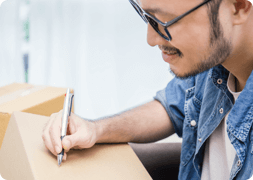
155, 23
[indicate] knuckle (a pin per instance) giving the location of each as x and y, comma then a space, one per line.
53, 116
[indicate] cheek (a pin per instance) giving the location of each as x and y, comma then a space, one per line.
226, 23
191, 37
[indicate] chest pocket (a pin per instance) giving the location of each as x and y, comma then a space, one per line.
192, 109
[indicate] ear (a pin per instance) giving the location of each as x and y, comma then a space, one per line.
242, 11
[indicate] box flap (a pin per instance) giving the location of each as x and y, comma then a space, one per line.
4, 120
13, 157
34, 96
20, 93
13, 87
114, 161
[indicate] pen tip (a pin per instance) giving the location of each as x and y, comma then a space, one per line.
59, 160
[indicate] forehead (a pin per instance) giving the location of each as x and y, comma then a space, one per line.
171, 2
157, 2
172, 6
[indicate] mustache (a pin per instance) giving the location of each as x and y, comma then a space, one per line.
167, 48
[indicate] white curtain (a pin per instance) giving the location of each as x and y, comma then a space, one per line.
96, 47
11, 64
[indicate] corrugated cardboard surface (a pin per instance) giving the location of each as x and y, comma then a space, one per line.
13, 87
23, 156
40, 100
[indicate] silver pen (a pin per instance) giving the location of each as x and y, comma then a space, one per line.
65, 114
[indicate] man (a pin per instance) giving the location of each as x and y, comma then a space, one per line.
209, 46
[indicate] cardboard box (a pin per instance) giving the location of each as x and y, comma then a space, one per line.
23, 156
41, 100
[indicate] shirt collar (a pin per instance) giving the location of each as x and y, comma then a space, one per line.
219, 73
241, 115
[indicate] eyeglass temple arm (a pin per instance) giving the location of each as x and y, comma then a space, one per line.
183, 15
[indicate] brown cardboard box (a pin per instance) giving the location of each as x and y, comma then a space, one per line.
23, 156
41, 100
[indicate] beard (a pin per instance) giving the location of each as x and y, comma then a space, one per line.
220, 47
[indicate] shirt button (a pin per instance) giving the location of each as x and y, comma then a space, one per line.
221, 110
238, 163
200, 139
219, 81
193, 123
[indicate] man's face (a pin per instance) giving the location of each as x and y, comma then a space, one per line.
199, 43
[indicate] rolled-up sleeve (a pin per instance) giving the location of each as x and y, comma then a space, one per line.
173, 100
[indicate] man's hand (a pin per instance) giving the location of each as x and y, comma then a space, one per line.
80, 134
146, 123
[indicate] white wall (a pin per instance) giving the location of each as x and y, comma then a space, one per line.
97, 47
11, 67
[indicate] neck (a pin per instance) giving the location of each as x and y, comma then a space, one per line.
240, 62
240, 66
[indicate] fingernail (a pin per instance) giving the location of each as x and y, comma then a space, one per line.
58, 149
66, 144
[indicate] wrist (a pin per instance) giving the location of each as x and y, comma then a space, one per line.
99, 131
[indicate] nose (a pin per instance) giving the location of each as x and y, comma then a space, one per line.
153, 38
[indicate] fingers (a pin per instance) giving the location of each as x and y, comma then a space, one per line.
55, 134
81, 134
48, 124
50, 132
70, 141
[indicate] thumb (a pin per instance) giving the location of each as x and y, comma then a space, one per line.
70, 141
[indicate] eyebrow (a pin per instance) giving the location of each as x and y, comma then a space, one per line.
159, 11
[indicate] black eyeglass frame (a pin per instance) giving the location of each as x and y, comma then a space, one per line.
165, 25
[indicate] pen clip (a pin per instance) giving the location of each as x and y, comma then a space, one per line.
70, 107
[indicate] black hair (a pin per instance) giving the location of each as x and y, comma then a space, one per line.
213, 12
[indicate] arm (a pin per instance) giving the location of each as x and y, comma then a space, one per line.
147, 123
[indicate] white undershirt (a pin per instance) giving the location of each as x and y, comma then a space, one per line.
219, 152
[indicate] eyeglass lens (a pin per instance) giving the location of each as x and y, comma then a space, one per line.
158, 28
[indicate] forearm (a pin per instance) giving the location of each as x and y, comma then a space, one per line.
147, 123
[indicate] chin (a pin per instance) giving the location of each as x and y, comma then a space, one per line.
184, 74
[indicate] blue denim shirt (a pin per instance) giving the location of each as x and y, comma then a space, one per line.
206, 99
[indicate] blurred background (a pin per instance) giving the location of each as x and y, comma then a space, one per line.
96, 47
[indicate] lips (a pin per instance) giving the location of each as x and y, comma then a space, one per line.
169, 57
170, 53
